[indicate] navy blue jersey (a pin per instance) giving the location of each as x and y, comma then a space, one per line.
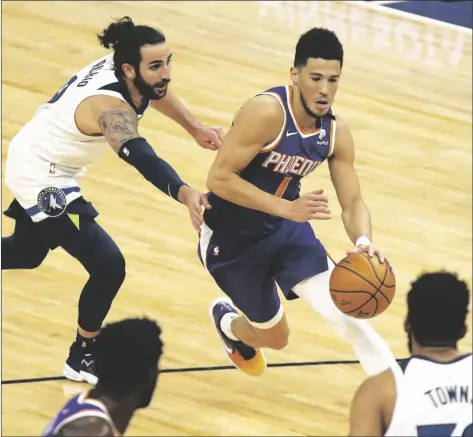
277, 169
77, 407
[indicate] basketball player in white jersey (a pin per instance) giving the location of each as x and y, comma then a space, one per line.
127, 364
430, 393
98, 108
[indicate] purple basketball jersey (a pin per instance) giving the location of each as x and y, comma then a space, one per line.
78, 406
277, 169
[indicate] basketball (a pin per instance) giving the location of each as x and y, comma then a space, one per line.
362, 287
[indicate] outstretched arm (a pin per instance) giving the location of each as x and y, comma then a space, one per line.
119, 125
172, 107
118, 122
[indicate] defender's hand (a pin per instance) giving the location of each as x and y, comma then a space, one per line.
194, 201
209, 137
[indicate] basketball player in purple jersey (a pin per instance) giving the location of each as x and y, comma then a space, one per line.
257, 232
127, 366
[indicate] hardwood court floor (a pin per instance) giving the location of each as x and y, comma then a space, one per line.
409, 105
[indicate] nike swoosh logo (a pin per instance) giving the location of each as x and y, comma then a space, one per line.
229, 350
288, 134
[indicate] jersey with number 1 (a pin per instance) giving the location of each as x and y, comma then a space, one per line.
277, 169
433, 398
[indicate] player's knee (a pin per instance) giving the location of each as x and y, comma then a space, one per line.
112, 267
117, 265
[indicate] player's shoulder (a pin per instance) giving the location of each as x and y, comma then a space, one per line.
88, 425
263, 108
386, 379
98, 73
342, 122
260, 117
104, 64
380, 385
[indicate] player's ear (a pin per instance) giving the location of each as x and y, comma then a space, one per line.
294, 72
129, 71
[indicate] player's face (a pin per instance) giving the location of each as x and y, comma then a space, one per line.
317, 83
154, 72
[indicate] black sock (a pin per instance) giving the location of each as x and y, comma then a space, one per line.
85, 342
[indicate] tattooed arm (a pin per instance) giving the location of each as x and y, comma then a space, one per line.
118, 123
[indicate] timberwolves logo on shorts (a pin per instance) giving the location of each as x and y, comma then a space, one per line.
52, 201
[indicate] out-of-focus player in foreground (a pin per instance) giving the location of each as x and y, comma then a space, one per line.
430, 393
258, 233
127, 359
98, 108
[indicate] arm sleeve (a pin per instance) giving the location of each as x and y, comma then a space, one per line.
138, 153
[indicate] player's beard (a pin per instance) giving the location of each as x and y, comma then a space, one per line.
306, 107
147, 90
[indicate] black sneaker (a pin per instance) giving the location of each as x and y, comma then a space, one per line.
80, 365
245, 358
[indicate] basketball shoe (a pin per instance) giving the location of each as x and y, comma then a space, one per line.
80, 365
245, 358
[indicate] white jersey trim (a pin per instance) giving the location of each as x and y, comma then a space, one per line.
80, 414
86, 413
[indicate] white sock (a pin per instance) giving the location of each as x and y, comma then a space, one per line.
372, 351
226, 325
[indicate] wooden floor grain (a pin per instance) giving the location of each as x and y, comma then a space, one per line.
408, 101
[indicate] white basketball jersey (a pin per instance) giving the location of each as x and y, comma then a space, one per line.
50, 151
53, 130
433, 398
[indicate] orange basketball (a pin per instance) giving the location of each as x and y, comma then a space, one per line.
361, 286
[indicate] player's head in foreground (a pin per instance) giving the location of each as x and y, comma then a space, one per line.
437, 309
127, 361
